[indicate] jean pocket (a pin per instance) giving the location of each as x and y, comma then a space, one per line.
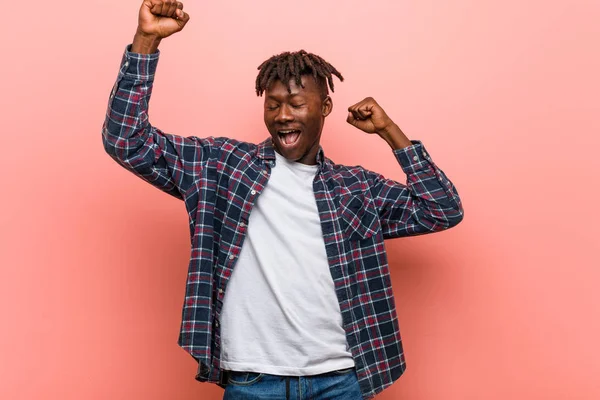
244, 378
343, 371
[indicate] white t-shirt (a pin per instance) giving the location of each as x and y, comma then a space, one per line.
280, 313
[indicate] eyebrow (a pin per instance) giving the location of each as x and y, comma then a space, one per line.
271, 97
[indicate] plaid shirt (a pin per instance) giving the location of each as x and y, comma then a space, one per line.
220, 179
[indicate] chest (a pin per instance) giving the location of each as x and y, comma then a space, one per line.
227, 194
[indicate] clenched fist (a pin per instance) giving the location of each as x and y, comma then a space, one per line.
368, 116
161, 18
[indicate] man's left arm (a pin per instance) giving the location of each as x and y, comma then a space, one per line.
428, 202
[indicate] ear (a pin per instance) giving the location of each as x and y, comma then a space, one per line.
327, 106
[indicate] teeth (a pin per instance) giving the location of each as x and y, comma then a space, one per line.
286, 132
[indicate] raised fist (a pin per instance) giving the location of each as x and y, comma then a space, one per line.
161, 18
368, 116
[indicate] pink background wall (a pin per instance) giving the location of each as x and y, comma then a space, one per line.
505, 95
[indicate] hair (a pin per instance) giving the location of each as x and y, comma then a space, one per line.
287, 66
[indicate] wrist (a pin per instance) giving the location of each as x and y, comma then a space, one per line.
390, 130
394, 136
144, 43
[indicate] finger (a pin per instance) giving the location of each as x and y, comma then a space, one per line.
165, 8
363, 112
356, 114
172, 8
152, 3
354, 111
350, 119
183, 17
156, 7
358, 110
179, 13
354, 122
354, 106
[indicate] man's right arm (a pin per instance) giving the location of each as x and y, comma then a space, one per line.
167, 161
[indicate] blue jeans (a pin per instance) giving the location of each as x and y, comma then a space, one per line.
335, 385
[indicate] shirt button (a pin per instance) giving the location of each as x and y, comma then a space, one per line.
253, 192
126, 63
424, 154
217, 324
220, 291
242, 224
231, 257
415, 158
264, 172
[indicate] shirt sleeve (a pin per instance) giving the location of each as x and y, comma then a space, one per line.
167, 161
428, 202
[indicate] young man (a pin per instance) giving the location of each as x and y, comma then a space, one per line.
288, 292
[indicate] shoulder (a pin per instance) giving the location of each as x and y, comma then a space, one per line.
222, 144
234, 145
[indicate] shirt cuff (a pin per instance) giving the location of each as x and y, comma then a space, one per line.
139, 66
413, 158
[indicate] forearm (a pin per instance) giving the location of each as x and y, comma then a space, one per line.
426, 182
395, 137
428, 202
126, 126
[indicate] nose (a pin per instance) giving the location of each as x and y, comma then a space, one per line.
284, 115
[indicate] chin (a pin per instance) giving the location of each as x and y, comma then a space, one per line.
292, 155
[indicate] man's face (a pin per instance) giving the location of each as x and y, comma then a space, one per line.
295, 120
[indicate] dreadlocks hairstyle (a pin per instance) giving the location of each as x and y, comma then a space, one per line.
287, 66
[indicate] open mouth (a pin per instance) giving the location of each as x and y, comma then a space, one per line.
289, 137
